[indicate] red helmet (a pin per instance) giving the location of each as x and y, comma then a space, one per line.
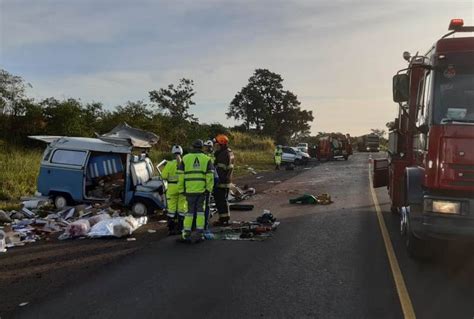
222, 139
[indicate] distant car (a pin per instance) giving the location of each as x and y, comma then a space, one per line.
290, 155
303, 156
304, 147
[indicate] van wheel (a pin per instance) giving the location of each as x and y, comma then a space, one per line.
60, 201
140, 209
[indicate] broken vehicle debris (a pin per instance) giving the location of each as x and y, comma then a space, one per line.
93, 221
112, 168
260, 229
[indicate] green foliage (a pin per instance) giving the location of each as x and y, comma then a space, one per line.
12, 92
263, 105
175, 100
379, 132
21, 117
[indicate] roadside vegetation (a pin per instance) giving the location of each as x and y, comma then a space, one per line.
18, 171
268, 112
19, 166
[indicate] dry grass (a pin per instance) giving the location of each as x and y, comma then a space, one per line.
18, 171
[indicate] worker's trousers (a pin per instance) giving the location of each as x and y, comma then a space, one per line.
220, 196
195, 212
177, 205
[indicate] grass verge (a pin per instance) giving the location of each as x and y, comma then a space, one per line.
19, 169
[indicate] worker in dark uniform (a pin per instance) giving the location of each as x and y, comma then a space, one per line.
224, 165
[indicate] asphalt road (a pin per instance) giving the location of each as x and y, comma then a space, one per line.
323, 262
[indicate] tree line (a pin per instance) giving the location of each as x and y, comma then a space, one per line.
263, 105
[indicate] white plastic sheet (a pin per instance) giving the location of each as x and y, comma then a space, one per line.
79, 228
117, 227
98, 218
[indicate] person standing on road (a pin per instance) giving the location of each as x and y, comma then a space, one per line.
176, 201
278, 155
195, 180
224, 166
208, 149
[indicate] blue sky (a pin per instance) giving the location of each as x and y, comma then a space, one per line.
337, 56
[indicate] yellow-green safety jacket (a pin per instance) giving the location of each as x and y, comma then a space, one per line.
195, 174
170, 174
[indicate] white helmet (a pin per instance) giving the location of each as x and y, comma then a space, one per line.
209, 143
176, 149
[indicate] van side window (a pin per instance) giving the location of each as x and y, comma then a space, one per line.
69, 157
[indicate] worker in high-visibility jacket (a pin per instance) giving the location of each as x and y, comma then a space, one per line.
278, 156
195, 181
208, 149
176, 201
224, 164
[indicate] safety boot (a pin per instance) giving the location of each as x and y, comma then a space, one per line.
201, 237
223, 221
185, 237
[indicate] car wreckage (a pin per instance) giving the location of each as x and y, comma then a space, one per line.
113, 167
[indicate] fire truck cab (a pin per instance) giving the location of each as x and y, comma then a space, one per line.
430, 169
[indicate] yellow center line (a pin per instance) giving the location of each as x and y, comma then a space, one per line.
402, 291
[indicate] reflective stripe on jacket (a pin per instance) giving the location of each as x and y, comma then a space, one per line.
196, 174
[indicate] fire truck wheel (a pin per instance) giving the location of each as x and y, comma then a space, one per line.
416, 247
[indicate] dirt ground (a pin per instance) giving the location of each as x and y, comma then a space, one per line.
43, 268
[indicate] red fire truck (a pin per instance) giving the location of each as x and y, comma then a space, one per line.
430, 169
334, 146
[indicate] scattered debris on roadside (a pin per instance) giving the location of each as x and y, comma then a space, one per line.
238, 194
252, 170
38, 220
241, 207
321, 199
274, 182
260, 229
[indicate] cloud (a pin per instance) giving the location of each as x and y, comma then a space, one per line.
337, 56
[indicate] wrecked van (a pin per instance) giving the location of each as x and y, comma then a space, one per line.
87, 170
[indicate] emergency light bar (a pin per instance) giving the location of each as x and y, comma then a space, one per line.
457, 25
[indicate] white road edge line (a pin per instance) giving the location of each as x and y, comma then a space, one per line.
405, 301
